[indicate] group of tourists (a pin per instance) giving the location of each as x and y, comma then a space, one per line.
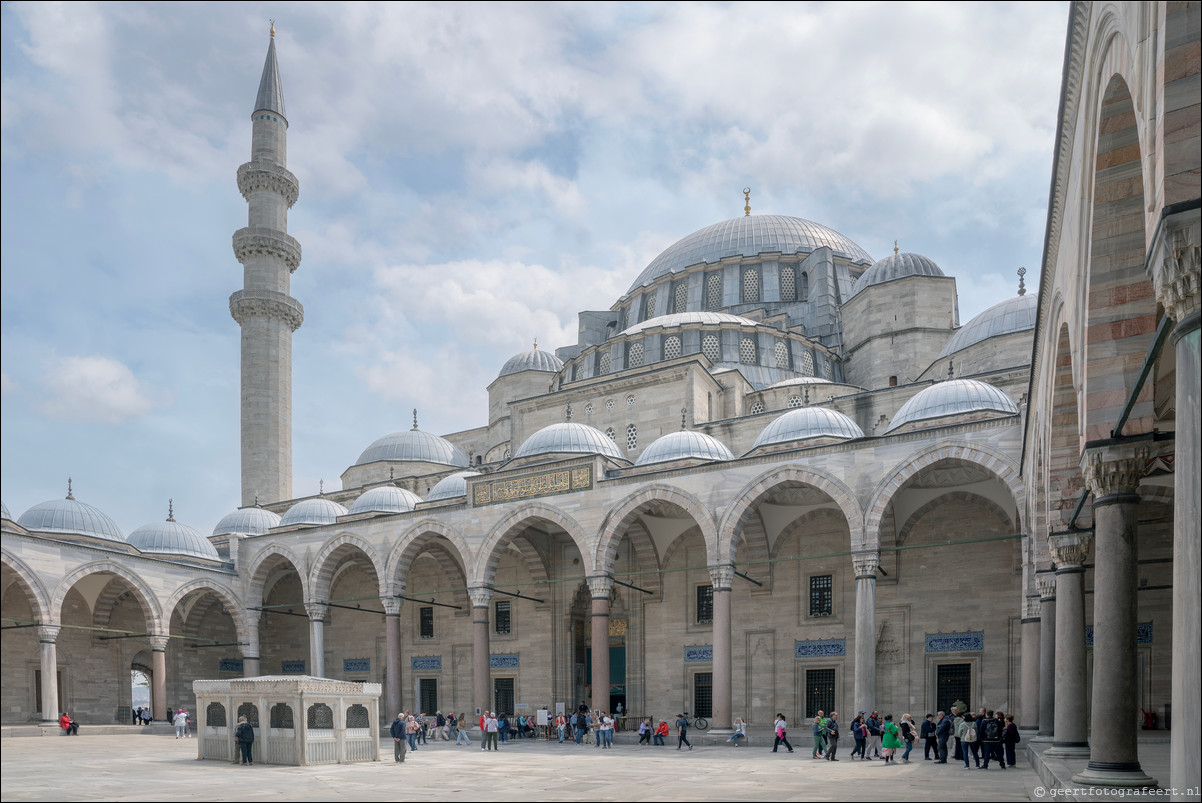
985, 736
142, 715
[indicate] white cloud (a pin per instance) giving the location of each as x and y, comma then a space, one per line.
93, 388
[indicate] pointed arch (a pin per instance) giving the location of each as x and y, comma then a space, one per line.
331, 556
485, 566
616, 524
223, 593
262, 566
31, 584
427, 534
150, 604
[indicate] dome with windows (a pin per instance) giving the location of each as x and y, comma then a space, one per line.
170, 538
385, 499
807, 424
1012, 315
413, 446
70, 517
896, 266
569, 438
451, 486
534, 360
956, 397
748, 236
678, 319
684, 445
252, 520
318, 510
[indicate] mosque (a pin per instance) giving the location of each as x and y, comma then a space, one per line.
777, 474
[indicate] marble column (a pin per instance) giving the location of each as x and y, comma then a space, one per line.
392, 655
251, 666
317, 639
1069, 551
1113, 474
1029, 698
158, 684
722, 577
48, 636
599, 588
1177, 289
1045, 580
481, 670
866, 564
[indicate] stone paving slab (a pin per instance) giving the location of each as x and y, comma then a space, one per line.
133, 767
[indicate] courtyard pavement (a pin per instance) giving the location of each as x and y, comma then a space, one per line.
152, 767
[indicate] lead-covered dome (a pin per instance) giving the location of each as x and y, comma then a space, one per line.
170, 538
385, 499
748, 236
252, 520
451, 486
896, 266
534, 360
70, 517
698, 318
954, 397
569, 438
684, 445
806, 424
415, 446
1012, 315
313, 511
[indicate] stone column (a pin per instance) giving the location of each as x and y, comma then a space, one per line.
599, 587
392, 655
1031, 631
1113, 474
481, 670
1069, 551
1177, 289
48, 636
158, 685
251, 666
317, 640
722, 577
1046, 581
866, 564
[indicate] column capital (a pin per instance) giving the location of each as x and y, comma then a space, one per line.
1176, 282
1115, 470
866, 564
316, 611
391, 605
1070, 550
1031, 607
158, 642
47, 634
480, 596
599, 586
1046, 583
722, 575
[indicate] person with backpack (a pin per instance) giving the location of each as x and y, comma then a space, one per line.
1010, 738
966, 739
990, 734
832, 736
860, 734
819, 737
682, 732
244, 735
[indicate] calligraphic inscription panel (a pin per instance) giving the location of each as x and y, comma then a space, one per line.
531, 486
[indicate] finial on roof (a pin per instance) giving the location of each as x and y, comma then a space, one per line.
807, 395
747, 201
951, 369
170, 510
1022, 287
895, 248
415, 419
321, 487
69, 494
391, 472
568, 411
536, 344
273, 29
684, 411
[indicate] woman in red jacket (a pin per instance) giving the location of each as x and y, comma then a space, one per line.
69, 725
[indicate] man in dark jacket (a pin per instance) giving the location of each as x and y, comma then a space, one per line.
989, 733
244, 735
397, 731
928, 737
943, 731
832, 736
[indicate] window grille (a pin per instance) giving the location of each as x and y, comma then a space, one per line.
634, 355
747, 351
782, 354
320, 717
357, 717
428, 691
705, 605
682, 298
709, 347
953, 682
603, 365
794, 401
713, 291
426, 622
281, 716
588, 409
630, 400
215, 715
807, 363
820, 691
609, 404
649, 307
501, 621
751, 285
757, 408
503, 694
703, 695
251, 712
613, 436
788, 283
632, 438
672, 348
821, 595
826, 369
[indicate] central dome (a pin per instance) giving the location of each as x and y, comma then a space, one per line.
748, 236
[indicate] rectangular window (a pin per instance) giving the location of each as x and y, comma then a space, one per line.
429, 695
502, 695
705, 605
821, 596
703, 694
426, 619
820, 691
953, 682
501, 620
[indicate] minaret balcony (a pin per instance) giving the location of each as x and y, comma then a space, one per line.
259, 242
261, 174
246, 304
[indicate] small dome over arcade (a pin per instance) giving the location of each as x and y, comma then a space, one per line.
413, 446
802, 380
70, 517
809, 424
533, 360
571, 439
964, 398
252, 520
684, 445
896, 266
316, 511
451, 486
171, 539
385, 499
1012, 315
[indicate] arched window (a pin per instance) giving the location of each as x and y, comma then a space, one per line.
751, 285
603, 364
671, 348
649, 306
782, 354
709, 347
757, 408
805, 287
826, 368
788, 283
215, 715
281, 716
807, 363
634, 355
632, 438
713, 291
357, 717
747, 351
794, 401
613, 436
251, 712
682, 297
320, 717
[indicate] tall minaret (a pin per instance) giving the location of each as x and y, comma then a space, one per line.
267, 314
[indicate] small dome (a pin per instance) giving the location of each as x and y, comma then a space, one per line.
807, 423
252, 520
682, 445
70, 517
172, 538
413, 446
572, 438
451, 486
534, 360
385, 499
685, 318
802, 380
1012, 315
954, 397
896, 266
313, 511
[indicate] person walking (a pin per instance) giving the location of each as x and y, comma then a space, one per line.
832, 736
412, 729
180, 721
909, 736
860, 734
682, 731
781, 727
874, 726
928, 737
244, 735
890, 739
645, 731
461, 736
819, 738
397, 731
943, 731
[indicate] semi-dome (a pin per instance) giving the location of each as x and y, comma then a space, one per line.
1012, 315
896, 266
70, 517
571, 438
808, 423
415, 446
748, 236
252, 520
700, 318
954, 397
451, 486
534, 360
171, 538
313, 511
385, 499
683, 445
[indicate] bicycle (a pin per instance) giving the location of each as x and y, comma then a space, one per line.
700, 723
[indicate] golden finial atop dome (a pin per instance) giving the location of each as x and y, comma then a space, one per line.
273, 29
747, 201
895, 249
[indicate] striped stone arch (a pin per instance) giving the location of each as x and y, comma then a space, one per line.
332, 555
988, 458
263, 564
106, 602
150, 604
31, 584
485, 566
225, 594
618, 522
427, 534
730, 532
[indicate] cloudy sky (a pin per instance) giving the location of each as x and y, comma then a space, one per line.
471, 177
